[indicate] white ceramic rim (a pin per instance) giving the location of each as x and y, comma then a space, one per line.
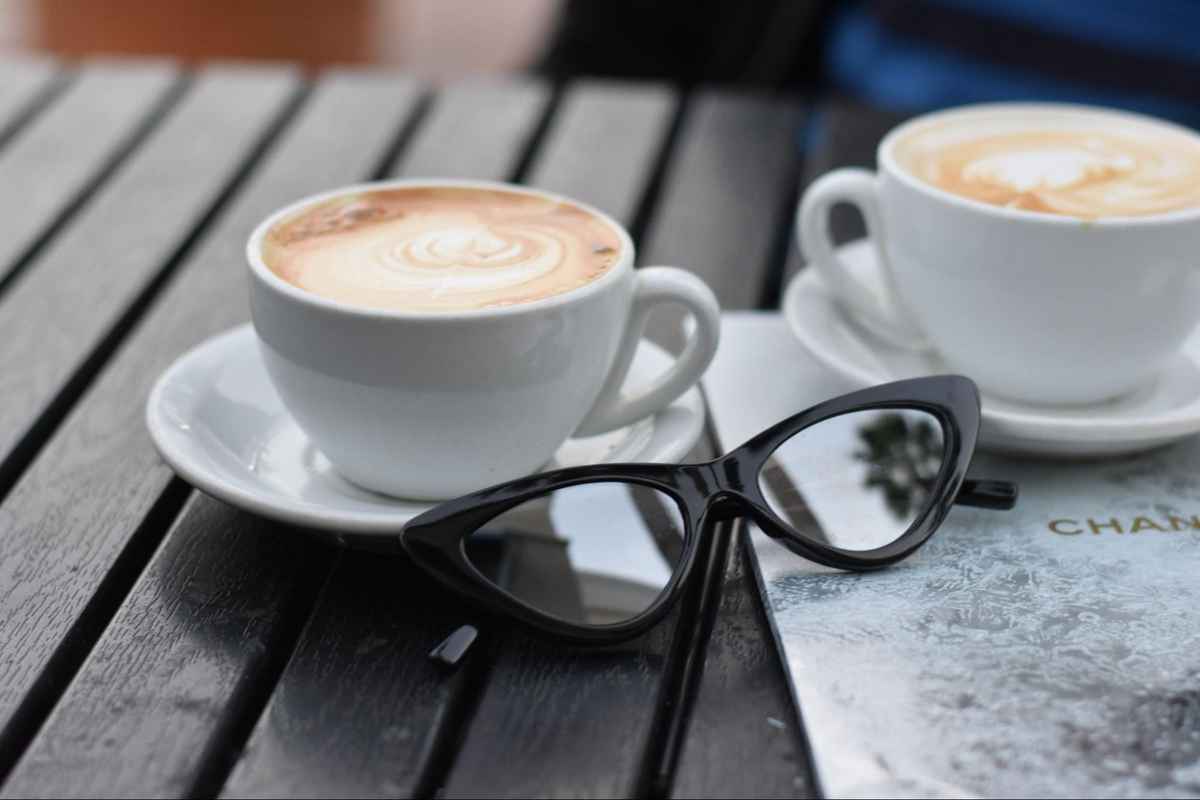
260, 270
312, 515
1025, 425
886, 160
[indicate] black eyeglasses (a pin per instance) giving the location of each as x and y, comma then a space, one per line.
598, 554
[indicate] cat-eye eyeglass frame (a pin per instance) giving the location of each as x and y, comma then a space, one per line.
705, 493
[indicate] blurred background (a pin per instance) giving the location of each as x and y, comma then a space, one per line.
906, 55
437, 38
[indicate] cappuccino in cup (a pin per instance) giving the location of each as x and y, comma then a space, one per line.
1056, 162
447, 248
1049, 251
433, 337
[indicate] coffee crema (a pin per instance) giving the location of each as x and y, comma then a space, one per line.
1081, 164
440, 248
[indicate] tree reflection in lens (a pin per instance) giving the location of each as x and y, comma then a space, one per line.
592, 554
856, 481
903, 457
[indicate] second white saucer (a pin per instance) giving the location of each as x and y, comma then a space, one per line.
1163, 411
217, 420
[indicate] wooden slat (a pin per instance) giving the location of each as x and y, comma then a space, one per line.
44, 170
603, 142
743, 738
94, 272
555, 721
844, 134
199, 624
360, 709
726, 192
551, 720
477, 129
83, 501
23, 83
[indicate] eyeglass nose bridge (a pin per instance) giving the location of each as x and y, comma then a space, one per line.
727, 474
726, 486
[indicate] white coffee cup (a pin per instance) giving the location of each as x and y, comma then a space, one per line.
429, 405
1035, 307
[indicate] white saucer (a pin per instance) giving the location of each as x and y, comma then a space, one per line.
1162, 412
216, 419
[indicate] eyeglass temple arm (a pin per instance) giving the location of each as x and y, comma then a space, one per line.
997, 495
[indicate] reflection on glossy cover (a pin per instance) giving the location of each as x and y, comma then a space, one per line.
1053, 650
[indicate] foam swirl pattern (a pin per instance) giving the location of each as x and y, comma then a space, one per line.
440, 249
1085, 166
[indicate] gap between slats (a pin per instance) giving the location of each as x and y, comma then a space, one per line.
529, 151
785, 230
785, 240
41, 100
649, 201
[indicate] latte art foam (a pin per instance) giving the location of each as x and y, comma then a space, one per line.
1079, 164
440, 249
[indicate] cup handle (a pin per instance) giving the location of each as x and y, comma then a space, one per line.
884, 315
657, 286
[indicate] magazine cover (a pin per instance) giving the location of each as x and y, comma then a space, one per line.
1051, 650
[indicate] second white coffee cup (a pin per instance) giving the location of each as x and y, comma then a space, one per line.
430, 405
1035, 307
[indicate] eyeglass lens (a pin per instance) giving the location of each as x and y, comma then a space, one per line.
588, 554
857, 481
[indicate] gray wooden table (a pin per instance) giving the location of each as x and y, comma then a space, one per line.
154, 641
